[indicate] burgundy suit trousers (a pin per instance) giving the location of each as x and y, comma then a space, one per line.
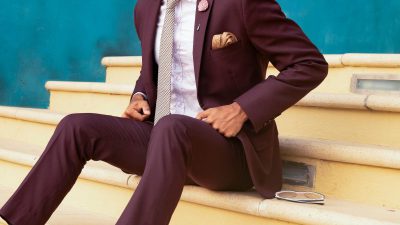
179, 150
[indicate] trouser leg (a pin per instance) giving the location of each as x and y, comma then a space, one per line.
182, 146
77, 139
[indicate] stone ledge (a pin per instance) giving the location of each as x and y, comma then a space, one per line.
310, 148
371, 60
341, 152
334, 60
90, 87
385, 103
334, 212
388, 103
65, 214
336, 100
122, 61
33, 115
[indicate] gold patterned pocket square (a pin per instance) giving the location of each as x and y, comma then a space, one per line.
223, 40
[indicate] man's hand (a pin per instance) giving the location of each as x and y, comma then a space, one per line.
138, 109
227, 119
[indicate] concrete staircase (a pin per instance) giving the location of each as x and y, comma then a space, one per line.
333, 141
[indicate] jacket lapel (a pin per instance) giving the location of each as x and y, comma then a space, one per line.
200, 27
149, 36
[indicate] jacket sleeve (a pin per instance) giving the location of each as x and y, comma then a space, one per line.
139, 86
282, 42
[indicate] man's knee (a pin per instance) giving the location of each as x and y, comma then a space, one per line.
171, 124
170, 130
169, 139
77, 122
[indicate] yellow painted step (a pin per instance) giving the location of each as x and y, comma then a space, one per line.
68, 97
354, 118
342, 170
362, 119
311, 164
86, 200
104, 190
66, 213
33, 126
125, 70
99, 183
122, 69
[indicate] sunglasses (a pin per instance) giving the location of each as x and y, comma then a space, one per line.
301, 197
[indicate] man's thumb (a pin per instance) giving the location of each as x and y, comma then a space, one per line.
146, 111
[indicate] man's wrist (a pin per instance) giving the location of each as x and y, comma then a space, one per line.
242, 114
138, 96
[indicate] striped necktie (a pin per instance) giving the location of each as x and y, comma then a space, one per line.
165, 63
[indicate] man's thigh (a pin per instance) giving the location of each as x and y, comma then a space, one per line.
216, 162
118, 141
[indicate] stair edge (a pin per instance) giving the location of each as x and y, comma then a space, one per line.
378, 156
334, 60
371, 102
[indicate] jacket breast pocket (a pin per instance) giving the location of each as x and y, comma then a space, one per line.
228, 51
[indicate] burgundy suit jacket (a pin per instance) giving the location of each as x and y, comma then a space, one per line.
238, 72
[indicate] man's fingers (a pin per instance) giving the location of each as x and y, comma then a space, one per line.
201, 115
124, 115
137, 116
229, 135
145, 108
146, 111
138, 110
145, 116
129, 113
215, 127
224, 119
134, 114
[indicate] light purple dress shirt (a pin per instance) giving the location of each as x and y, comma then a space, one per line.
183, 85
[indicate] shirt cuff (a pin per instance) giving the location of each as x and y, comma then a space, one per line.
142, 94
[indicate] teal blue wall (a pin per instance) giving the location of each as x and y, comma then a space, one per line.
59, 40
342, 26
65, 40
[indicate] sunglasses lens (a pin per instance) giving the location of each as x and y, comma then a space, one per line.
287, 195
312, 196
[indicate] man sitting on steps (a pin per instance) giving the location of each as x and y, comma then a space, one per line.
201, 112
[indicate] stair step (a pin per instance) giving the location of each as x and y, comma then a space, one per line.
343, 170
27, 154
66, 214
356, 118
68, 97
122, 69
338, 169
220, 206
33, 126
125, 70
100, 189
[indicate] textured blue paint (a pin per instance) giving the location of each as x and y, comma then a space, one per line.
59, 40
342, 26
65, 40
